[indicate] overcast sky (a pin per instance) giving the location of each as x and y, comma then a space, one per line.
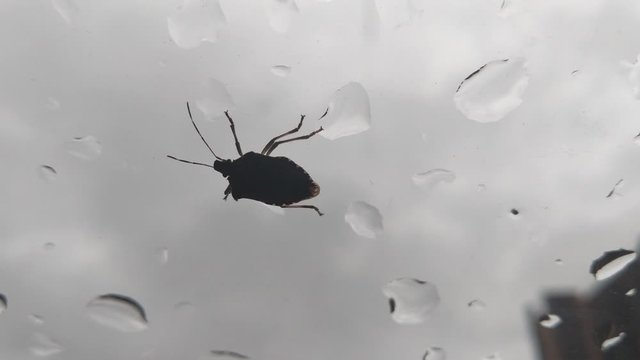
243, 278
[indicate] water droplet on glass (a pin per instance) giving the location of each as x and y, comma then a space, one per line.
434, 353
349, 112
514, 212
615, 190
494, 356
67, 9
196, 21
611, 262
432, 177
481, 187
45, 346
476, 305
281, 13
162, 254
558, 262
364, 219
184, 306
223, 354
52, 104
411, 300
47, 173
3, 303
118, 312
86, 147
631, 292
214, 99
611, 342
492, 91
36, 319
281, 70
49, 246
550, 321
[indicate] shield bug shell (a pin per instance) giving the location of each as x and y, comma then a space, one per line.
273, 180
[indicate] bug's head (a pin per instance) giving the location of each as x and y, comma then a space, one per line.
222, 166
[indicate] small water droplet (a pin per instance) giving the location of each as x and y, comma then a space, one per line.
611, 262
349, 112
118, 312
514, 212
611, 342
85, 147
494, 356
431, 177
52, 104
184, 306
162, 255
614, 193
558, 262
223, 354
364, 219
434, 353
36, 319
481, 187
67, 9
413, 300
214, 99
634, 76
492, 91
45, 346
631, 292
281, 14
3, 303
281, 70
195, 22
550, 321
476, 305
47, 173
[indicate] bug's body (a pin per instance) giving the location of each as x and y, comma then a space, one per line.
272, 180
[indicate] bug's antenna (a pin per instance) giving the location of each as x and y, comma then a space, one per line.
189, 162
201, 137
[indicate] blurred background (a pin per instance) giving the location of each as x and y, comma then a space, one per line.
479, 159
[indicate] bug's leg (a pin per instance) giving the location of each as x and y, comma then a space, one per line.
227, 191
275, 144
188, 162
302, 207
270, 143
233, 130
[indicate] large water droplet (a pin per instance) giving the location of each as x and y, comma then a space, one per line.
118, 312
196, 21
281, 13
411, 300
214, 99
611, 262
44, 346
3, 303
432, 177
86, 147
222, 355
492, 91
364, 219
434, 353
611, 342
550, 321
615, 191
67, 9
281, 70
349, 112
47, 173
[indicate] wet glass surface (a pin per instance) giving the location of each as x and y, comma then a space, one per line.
477, 171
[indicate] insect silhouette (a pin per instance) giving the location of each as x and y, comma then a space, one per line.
273, 180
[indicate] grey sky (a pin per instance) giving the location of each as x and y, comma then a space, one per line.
296, 286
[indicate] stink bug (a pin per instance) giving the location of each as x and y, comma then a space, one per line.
271, 180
